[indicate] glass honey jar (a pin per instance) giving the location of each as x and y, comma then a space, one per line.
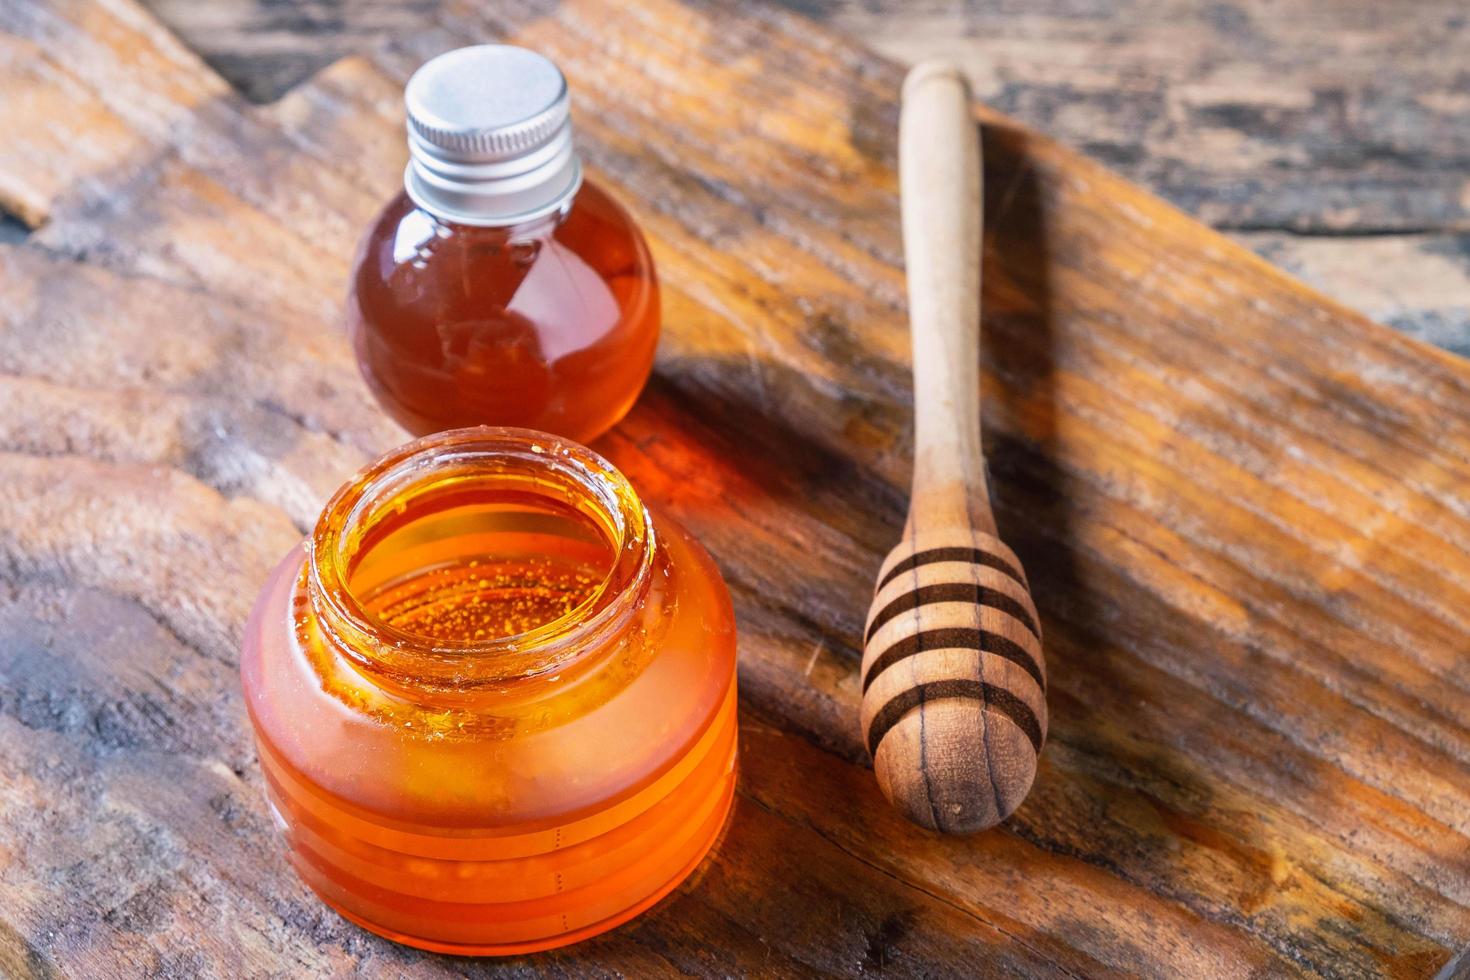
494, 696
500, 287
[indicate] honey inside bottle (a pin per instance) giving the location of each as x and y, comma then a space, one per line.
501, 287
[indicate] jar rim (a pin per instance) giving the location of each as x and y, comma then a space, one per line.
488, 453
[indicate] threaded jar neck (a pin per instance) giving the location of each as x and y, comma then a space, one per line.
468, 511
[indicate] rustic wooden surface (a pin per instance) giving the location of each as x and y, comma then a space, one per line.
1242, 509
1330, 136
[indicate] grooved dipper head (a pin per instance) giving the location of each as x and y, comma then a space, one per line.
954, 684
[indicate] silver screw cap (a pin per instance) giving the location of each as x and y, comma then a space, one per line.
490, 136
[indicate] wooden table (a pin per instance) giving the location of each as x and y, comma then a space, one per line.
1330, 136
1242, 508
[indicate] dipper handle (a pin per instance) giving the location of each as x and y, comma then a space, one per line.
939, 182
954, 684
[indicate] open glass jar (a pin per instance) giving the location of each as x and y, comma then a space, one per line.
494, 698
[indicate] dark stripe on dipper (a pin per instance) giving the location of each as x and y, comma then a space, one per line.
969, 592
954, 639
972, 555
995, 699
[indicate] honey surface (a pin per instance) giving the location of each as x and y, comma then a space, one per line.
481, 599
454, 565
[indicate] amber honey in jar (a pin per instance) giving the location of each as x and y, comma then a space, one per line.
500, 287
493, 696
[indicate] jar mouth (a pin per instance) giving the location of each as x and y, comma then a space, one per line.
533, 465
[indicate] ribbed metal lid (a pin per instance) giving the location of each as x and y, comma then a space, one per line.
491, 101
489, 135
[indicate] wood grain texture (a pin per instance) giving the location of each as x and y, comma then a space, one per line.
1326, 134
954, 689
1242, 510
1333, 136
953, 678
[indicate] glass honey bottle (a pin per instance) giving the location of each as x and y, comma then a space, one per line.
493, 696
500, 287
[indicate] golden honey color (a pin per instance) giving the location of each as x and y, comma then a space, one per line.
494, 697
550, 324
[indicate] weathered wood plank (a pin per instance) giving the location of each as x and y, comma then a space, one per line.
1419, 284
1241, 507
1301, 127
1314, 115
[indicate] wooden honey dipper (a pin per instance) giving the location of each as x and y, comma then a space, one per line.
954, 686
